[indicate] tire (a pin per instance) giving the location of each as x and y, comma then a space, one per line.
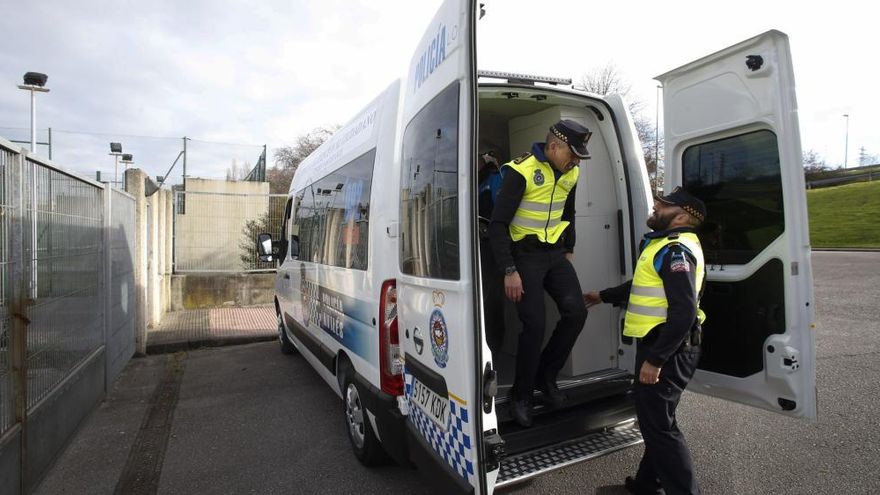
287, 346
364, 443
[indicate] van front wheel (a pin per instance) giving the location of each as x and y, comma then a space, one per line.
366, 446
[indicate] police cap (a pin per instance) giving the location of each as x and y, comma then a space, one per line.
574, 135
684, 200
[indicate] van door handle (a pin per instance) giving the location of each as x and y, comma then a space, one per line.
287, 276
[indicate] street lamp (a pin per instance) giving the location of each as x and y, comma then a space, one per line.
34, 82
846, 142
116, 151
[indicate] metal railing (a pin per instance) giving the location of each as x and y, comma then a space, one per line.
217, 232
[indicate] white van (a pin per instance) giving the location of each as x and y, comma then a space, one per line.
379, 283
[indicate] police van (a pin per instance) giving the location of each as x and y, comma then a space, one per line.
379, 286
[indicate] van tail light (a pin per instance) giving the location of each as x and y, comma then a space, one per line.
390, 358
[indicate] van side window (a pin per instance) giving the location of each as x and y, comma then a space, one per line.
332, 216
429, 190
739, 179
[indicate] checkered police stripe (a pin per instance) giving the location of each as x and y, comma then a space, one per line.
453, 445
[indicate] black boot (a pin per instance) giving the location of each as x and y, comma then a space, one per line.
553, 398
521, 412
634, 486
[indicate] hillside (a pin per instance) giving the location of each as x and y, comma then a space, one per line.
845, 216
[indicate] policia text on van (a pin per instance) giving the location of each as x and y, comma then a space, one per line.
379, 284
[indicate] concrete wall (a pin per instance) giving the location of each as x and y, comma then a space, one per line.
196, 291
152, 274
209, 230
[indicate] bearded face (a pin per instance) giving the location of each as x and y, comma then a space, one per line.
661, 218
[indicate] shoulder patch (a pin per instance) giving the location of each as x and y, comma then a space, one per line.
678, 263
521, 158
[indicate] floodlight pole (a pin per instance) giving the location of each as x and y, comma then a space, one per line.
33, 89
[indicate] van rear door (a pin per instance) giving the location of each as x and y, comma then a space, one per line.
732, 139
435, 283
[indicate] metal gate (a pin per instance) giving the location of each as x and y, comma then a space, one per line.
66, 318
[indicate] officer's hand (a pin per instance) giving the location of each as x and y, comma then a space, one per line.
592, 298
649, 374
513, 287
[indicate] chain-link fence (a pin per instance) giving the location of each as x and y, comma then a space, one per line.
66, 306
217, 232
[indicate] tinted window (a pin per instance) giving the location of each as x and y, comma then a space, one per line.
429, 190
332, 216
739, 180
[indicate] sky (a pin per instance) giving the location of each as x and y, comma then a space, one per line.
234, 76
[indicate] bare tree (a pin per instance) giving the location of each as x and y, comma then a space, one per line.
237, 172
288, 158
813, 162
606, 80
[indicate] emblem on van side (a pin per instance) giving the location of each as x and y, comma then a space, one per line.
439, 338
439, 298
538, 178
419, 340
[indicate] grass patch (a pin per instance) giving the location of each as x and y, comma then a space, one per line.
845, 216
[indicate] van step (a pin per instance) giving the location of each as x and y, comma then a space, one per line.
529, 464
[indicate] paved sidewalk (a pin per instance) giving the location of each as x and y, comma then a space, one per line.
194, 328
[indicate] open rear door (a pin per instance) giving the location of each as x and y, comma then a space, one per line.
732, 139
437, 312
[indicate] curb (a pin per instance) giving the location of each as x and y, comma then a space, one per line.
855, 250
191, 345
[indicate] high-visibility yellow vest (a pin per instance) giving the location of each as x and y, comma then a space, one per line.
647, 299
540, 210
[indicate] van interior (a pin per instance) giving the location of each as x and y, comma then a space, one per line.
595, 378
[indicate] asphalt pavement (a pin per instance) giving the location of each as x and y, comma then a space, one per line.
247, 419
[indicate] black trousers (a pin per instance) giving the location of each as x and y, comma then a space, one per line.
493, 297
666, 462
545, 268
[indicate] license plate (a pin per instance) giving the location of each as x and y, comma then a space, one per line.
434, 406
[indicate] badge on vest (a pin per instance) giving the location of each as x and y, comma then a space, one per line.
677, 263
538, 178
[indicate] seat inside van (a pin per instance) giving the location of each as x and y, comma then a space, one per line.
509, 122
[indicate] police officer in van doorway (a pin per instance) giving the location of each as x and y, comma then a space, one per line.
663, 313
489, 180
532, 235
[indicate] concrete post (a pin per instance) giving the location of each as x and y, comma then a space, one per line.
155, 283
134, 185
169, 246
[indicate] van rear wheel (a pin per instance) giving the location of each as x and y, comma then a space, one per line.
366, 446
287, 346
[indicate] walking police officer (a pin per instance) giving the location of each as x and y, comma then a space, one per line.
663, 313
532, 235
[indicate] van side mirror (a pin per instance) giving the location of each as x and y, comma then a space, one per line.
264, 247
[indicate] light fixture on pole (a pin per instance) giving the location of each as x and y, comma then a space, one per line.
127, 159
846, 141
34, 82
116, 152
